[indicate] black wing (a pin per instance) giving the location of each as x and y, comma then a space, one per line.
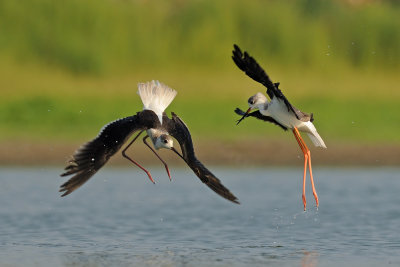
177, 128
90, 157
250, 66
258, 115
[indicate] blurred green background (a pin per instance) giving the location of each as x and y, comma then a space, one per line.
69, 67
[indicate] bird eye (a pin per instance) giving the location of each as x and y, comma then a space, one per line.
165, 141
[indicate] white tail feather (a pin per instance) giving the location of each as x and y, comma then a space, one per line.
156, 96
316, 139
311, 131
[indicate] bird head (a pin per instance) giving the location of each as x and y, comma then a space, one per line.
254, 102
164, 141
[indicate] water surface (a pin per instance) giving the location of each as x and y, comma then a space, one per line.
119, 218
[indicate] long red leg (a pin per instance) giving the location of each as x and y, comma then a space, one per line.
307, 154
158, 156
309, 166
296, 135
312, 180
134, 162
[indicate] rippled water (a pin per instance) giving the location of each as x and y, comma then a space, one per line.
119, 218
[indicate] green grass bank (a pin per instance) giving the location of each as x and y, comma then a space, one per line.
67, 68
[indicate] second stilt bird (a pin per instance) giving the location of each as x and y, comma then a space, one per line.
278, 111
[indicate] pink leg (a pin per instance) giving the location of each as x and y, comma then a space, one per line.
307, 156
312, 180
296, 135
134, 162
158, 156
304, 181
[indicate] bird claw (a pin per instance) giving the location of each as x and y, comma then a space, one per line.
169, 174
151, 178
304, 202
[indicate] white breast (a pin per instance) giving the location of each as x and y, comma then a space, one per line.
279, 111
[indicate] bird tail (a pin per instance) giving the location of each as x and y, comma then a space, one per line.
156, 96
313, 134
316, 139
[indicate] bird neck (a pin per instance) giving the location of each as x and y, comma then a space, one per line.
264, 105
264, 108
153, 134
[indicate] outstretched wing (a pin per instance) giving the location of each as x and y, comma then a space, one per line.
178, 129
258, 115
250, 66
90, 157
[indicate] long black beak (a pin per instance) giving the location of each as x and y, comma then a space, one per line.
244, 116
173, 149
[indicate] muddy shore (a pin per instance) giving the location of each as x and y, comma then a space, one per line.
243, 153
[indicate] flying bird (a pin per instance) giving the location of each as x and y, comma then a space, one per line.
279, 111
156, 97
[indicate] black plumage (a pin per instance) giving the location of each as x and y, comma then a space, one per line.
90, 157
178, 129
257, 114
252, 69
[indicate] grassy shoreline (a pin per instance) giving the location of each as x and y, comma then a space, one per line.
68, 68
348, 105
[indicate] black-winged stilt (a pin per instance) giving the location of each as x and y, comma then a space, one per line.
278, 111
156, 97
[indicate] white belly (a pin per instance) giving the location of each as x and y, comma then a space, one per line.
279, 111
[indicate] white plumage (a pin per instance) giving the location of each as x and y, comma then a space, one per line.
317, 140
279, 111
156, 96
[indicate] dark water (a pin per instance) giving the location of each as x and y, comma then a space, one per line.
120, 219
